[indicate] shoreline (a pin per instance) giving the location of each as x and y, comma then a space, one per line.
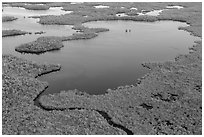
13, 32
136, 107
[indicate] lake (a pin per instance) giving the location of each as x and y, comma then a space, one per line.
110, 60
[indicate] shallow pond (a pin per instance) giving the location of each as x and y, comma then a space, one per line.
76, 2
121, 15
19, 11
174, 7
133, 8
101, 6
110, 60
30, 24
158, 12
151, 13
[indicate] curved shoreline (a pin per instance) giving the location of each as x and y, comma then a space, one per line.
172, 97
137, 113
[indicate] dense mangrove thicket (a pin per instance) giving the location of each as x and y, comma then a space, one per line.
168, 100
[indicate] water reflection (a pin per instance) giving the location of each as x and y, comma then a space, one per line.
110, 60
114, 58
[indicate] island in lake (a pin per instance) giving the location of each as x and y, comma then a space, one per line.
101, 68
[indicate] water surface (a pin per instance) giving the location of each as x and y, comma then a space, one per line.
31, 24
101, 6
121, 14
114, 58
20, 11
151, 13
110, 60
174, 7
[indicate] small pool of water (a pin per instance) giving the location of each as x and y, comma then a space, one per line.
174, 7
133, 8
101, 6
121, 15
34, 4
158, 12
151, 13
76, 2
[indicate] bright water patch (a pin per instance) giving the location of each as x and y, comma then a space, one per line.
174, 7
151, 13
110, 60
133, 8
33, 4
158, 12
101, 6
31, 25
121, 15
76, 2
20, 12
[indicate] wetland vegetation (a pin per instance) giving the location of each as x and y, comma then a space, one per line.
166, 100
8, 18
7, 33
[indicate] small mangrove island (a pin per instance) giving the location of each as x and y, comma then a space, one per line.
8, 18
166, 101
7, 33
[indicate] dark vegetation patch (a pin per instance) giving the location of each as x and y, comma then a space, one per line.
30, 6
167, 101
8, 18
49, 43
109, 120
21, 116
102, 113
83, 29
85, 12
40, 32
146, 106
36, 7
7, 33
41, 45
22, 67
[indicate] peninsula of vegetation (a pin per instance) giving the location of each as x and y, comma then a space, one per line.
166, 101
